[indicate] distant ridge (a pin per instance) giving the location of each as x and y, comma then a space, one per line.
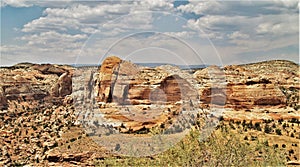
180, 66
270, 62
84, 65
151, 65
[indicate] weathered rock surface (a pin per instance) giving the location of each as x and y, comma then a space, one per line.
236, 86
109, 66
121, 83
140, 90
3, 100
63, 86
250, 85
27, 81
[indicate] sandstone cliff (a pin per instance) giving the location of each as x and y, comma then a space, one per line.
30, 82
258, 84
122, 84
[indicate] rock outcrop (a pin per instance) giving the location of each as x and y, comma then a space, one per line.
126, 83
247, 86
107, 70
29, 82
129, 93
3, 100
121, 84
63, 86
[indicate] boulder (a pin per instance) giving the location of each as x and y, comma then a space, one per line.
63, 86
49, 69
3, 100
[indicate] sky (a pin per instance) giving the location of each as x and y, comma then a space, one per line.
149, 31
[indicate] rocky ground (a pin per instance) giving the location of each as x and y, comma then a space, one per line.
56, 115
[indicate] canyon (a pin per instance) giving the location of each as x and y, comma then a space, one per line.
42, 103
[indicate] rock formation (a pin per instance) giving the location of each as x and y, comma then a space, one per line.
121, 83
29, 82
3, 100
63, 86
253, 85
244, 86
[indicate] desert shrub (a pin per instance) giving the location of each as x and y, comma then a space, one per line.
278, 132
292, 135
222, 148
266, 143
257, 126
268, 129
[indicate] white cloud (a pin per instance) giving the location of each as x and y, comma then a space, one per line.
84, 12
54, 39
279, 25
263, 27
48, 23
234, 27
157, 4
202, 7
217, 27
245, 8
111, 31
182, 34
255, 45
15, 3
238, 35
41, 3
134, 21
161, 47
88, 19
44, 47
215, 22
76, 17
90, 30
259, 27
288, 3
11, 49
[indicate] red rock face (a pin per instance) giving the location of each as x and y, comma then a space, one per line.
170, 86
176, 89
258, 94
252, 85
140, 97
214, 96
244, 88
104, 85
170, 90
125, 83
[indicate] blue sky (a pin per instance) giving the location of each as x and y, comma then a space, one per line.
180, 32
